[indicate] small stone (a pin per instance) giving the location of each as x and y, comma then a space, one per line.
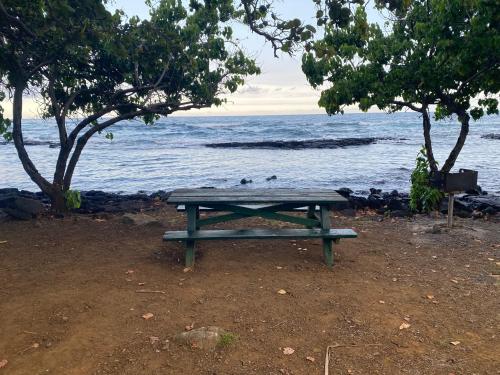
206, 338
147, 316
288, 351
404, 325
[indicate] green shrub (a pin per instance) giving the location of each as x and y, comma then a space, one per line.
73, 199
423, 197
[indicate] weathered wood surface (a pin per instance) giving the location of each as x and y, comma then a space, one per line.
258, 234
256, 196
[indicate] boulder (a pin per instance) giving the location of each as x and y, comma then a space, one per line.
345, 192
23, 208
206, 338
375, 201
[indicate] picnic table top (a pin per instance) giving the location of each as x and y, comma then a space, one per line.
255, 196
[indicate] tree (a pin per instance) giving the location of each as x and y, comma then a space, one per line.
442, 53
96, 68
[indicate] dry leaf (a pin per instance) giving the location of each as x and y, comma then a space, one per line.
454, 281
189, 327
381, 302
147, 316
129, 272
491, 259
288, 351
455, 343
279, 267
187, 269
282, 291
141, 284
310, 359
404, 325
2, 242
430, 296
3, 363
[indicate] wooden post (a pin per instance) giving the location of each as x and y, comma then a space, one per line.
192, 212
311, 213
451, 199
327, 243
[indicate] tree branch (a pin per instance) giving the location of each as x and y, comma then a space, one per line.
16, 21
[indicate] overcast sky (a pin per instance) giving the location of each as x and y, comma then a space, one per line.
281, 88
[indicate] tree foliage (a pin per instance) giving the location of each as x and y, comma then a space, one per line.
442, 53
98, 67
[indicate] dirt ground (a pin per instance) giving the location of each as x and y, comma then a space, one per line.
397, 298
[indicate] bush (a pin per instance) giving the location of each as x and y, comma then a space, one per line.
423, 197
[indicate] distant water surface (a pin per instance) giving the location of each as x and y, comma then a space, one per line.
172, 153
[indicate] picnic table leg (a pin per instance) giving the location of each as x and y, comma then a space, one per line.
192, 212
327, 243
311, 213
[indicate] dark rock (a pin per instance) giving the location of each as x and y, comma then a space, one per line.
273, 177
375, 191
394, 204
8, 191
476, 191
18, 214
394, 193
375, 201
358, 202
345, 192
30, 206
400, 213
489, 211
491, 136
244, 181
299, 145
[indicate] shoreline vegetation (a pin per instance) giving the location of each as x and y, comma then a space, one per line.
24, 205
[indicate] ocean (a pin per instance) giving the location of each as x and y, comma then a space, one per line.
172, 153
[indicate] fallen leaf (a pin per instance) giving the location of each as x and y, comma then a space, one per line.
141, 284
3, 363
35, 345
282, 291
404, 325
430, 296
2, 242
288, 351
279, 267
187, 269
382, 302
394, 279
147, 316
454, 281
455, 343
310, 359
129, 272
189, 327
491, 259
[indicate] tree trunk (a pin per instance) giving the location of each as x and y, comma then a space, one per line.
427, 138
57, 201
464, 118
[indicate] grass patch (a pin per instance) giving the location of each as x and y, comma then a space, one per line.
227, 339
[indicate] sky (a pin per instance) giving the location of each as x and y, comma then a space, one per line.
280, 89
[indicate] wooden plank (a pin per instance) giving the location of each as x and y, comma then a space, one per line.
266, 214
258, 234
182, 208
302, 200
191, 228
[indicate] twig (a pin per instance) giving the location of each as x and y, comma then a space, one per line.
280, 323
150, 291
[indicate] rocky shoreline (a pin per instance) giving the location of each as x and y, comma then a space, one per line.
24, 205
301, 145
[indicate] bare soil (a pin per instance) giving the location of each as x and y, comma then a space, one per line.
69, 300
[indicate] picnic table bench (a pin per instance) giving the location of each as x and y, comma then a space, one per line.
266, 203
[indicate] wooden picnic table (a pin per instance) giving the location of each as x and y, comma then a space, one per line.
266, 203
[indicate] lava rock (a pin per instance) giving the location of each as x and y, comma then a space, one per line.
205, 338
345, 192
273, 177
375, 201
244, 181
